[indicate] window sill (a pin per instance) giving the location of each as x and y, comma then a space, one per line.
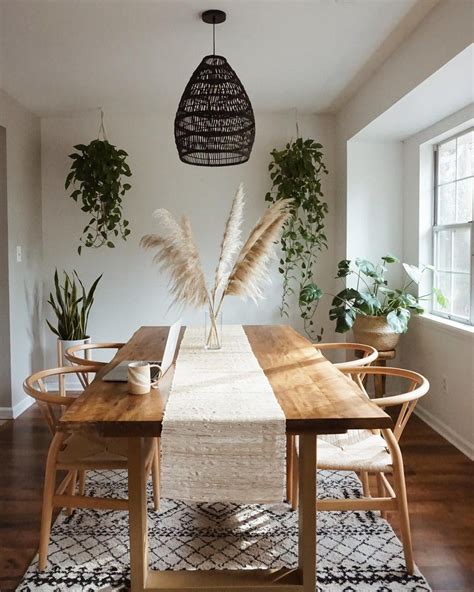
452, 327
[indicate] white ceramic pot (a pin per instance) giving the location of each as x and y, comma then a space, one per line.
375, 331
65, 344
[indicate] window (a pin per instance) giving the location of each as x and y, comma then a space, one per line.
452, 230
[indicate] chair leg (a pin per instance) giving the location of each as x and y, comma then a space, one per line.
71, 490
401, 495
364, 477
381, 492
155, 475
82, 482
289, 468
48, 493
294, 476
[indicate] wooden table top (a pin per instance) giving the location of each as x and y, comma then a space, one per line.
314, 395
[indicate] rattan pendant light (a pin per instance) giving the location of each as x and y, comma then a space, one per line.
214, 124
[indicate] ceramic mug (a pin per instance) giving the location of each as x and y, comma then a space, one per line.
139, 378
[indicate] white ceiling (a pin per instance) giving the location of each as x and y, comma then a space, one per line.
62, 56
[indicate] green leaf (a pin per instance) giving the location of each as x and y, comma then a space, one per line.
111, 245
440, 298
390, 259
413, 272
310, 293
398, 320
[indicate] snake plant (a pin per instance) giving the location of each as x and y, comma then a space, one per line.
71, 304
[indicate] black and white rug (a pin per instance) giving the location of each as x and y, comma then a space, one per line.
357, 551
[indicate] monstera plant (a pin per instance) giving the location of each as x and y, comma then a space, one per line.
296, 173
97, 173
376, 312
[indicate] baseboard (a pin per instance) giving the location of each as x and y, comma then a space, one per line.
451, 436
17, 410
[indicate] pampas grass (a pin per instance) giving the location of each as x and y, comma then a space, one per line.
241, 270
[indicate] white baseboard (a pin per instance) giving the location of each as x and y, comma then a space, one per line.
17, 410
451, 436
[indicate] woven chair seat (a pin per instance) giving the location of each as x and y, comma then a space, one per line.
357, 450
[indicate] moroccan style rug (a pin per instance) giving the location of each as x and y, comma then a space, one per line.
357, 551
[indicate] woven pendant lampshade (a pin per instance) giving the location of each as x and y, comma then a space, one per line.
214, 124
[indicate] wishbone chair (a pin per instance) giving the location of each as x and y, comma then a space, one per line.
369, 354
375, 451
77, 452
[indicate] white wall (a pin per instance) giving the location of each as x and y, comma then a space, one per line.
443, 34
23, 145
443, 352
428, 347
374, 201
132, 291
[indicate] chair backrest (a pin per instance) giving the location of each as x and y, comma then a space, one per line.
418, 386
50, 402
71, 354
368, 353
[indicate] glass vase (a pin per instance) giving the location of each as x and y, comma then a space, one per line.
212, 330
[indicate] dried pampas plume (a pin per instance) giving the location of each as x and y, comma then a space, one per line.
240, 270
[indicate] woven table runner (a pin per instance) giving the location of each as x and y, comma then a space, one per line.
223, 436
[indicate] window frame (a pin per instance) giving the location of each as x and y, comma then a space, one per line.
436, 228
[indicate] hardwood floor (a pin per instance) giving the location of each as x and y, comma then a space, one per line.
440, 483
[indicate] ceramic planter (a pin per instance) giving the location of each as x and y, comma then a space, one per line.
64, 344
375, 331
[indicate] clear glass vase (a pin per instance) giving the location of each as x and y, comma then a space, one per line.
212, 330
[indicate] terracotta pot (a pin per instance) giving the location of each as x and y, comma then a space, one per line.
375, 331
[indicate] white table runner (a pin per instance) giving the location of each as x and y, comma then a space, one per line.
223, 436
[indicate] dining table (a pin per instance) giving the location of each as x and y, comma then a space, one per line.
316, 398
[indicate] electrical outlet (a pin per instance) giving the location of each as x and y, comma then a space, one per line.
18, 254
444, 385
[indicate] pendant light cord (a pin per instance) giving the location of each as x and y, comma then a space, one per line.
214, 36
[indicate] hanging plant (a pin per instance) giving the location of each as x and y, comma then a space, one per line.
97, 173
296, 175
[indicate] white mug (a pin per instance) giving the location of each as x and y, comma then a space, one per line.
139, 378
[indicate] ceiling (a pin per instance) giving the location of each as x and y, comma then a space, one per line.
449, 89
63, 56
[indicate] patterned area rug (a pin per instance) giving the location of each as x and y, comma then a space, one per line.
357, 551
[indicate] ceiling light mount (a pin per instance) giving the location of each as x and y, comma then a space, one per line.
213, 17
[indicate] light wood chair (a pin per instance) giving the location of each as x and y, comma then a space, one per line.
366, 355
73, 355
375, 451
76, 453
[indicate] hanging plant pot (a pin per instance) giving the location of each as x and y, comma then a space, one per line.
375, 331
97, 174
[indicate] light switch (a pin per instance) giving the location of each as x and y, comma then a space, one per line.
18, 254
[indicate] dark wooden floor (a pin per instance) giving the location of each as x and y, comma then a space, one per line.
440, 483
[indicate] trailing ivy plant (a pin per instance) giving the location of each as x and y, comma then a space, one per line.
96, 173
296, 174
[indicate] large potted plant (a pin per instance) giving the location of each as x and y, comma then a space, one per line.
377, 313
71, 304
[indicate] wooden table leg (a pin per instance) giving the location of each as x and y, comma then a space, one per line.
138, 518
307, 511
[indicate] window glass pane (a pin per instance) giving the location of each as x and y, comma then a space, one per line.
443, 282
447, 204
443, 250
461, 295
447, 162
465, 155
461, 250
464, 191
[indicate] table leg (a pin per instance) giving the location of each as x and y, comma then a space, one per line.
307, 511
379, 381
138, 518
